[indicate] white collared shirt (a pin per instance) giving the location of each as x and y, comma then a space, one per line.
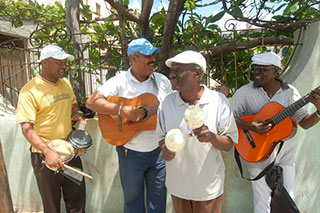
126, 85
197, 171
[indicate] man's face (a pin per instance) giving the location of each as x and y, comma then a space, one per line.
56, 68
145, 63
264, 74
183, 76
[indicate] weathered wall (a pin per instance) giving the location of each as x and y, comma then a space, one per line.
304, 74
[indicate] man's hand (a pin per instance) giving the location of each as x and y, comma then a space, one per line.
261, 127
53, 159
167, 155
132, 113
314, 98
203, 134
79, 117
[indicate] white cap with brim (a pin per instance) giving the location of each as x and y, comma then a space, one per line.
188, 57
267, 58
53, 51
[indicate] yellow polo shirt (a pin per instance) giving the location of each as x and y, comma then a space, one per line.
48, 106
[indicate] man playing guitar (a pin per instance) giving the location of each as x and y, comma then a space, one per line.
249, 100
140, 160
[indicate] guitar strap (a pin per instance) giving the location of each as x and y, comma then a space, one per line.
263, 172
154, 80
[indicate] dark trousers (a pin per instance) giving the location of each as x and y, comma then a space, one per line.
140, 169
51, 184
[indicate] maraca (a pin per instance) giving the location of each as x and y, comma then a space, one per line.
194, 116
175, 140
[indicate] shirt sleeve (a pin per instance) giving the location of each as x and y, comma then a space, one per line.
109, 88
237, 103
227, 124
27, 107
160, 130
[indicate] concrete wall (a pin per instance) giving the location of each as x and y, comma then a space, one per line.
304, 74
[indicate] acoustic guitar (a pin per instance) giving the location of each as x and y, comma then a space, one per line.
118, 130
254, 147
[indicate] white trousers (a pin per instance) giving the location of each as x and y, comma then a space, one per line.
262, 192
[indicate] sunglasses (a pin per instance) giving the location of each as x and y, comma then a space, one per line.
261, 68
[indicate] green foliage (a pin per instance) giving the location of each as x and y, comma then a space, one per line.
195, 32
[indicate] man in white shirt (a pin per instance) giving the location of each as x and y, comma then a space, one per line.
249, 100
195, 174
140, 160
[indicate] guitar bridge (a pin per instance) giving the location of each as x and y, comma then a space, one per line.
247, 133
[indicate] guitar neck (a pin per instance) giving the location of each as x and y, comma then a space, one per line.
290, 110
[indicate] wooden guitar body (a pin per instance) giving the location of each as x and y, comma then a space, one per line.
118, 130
254, 147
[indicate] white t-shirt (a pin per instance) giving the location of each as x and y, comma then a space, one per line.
249, 99
197, 171
126, 85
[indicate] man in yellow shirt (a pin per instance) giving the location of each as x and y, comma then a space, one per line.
46, 107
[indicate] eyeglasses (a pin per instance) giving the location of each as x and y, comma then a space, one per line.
261, 68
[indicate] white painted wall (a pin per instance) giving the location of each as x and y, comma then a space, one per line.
91, 3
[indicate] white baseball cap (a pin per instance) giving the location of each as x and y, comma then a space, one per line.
53, 51
267, 58
188, 57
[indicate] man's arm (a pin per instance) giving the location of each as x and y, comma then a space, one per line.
52, 158
98, 103
309, 121
219, 142
312, 119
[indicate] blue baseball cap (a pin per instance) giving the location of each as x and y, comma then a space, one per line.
143, 46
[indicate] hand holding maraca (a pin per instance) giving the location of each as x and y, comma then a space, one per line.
174, 141
194, 117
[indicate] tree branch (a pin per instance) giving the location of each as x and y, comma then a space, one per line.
144, 17
123, 11
174, 11
230, 47
286, 24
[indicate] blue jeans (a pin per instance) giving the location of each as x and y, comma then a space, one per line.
139, 169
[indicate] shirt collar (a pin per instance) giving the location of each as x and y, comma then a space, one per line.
284, 84
132, 78
55, 84
203, 100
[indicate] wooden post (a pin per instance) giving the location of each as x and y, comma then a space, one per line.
5, 195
